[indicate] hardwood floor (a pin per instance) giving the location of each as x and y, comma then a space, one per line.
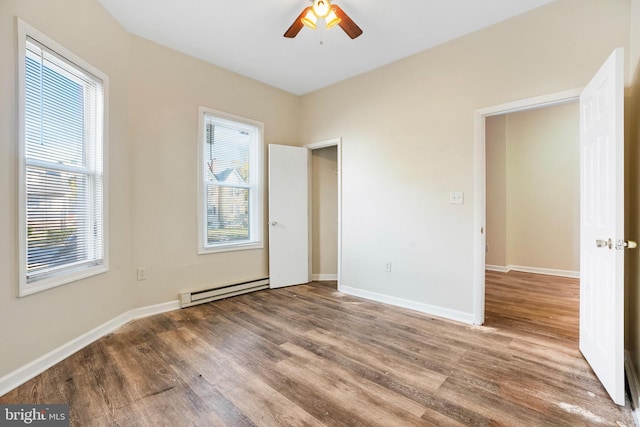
533, 305
309, 355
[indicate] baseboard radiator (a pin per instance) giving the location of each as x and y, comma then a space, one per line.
189, 299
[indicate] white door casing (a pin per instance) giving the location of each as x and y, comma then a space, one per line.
480, 182
335, 142
288, 215
602, 225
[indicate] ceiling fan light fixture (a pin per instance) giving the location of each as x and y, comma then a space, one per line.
310, 19
321, 8
332, 19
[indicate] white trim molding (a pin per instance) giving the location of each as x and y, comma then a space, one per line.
41, 364
324, 277
335, 142
546, 271
433, 310
535, 270
256, 187
479, 209
498, 268
98, 263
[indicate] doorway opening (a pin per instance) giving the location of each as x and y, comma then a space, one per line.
533, 221
325, 210
480, 219
602, 239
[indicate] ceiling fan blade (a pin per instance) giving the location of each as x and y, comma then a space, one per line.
297, 25
346, 23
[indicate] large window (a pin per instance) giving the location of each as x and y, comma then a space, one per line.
62, 182
230, 213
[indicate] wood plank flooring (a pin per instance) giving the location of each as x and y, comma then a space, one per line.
311, 356
533, 305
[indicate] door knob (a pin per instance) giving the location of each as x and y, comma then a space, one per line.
274, 223
604, 243
620, 244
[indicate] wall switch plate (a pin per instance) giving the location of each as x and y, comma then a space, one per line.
456, 197
142, 273
387, 266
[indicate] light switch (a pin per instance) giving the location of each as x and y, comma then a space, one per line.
456, 198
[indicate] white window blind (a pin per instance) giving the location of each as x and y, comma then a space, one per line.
230, 171
63, 165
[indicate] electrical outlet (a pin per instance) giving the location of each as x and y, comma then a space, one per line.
142, 273
387, 266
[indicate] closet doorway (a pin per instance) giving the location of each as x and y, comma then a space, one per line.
325, 208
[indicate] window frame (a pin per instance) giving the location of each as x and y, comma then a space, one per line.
26, 287
256, 165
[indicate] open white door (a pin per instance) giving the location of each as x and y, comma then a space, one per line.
288, 215
602, 225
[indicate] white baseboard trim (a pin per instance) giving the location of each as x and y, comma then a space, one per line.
413, 305
322, 277
150, 310
547, 271
535, 270
498, 268
41, 364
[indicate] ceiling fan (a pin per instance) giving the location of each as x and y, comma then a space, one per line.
333, 15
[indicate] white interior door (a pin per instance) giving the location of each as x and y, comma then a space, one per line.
602, 225
288, 215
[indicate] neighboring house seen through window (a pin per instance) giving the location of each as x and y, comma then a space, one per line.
61, 165
230, 192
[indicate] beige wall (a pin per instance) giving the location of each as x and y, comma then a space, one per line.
407, 132
166, 89
154, 97
535, 204
324, 211
36, 324
496, 187
543, 170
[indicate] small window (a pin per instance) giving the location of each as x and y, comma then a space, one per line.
230, 212
62, 178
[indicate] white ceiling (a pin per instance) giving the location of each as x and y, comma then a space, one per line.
245, 36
